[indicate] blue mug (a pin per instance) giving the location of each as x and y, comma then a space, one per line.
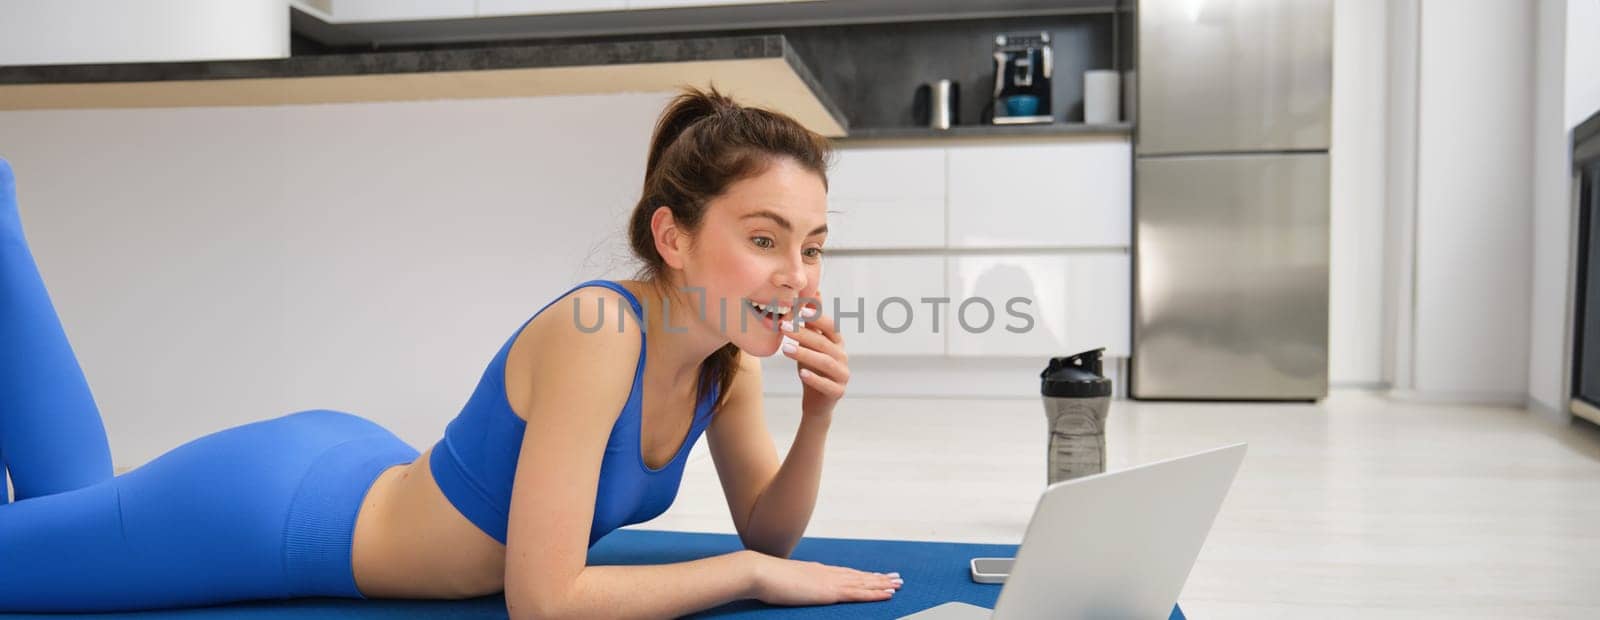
1022, 105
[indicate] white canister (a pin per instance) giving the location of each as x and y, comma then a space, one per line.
1101, 96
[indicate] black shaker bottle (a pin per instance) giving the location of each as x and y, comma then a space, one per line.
1077, 396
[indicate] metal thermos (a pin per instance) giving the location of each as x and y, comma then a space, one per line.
945, 103
937, 104
1077, 396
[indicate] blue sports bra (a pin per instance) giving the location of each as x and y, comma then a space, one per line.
476, 460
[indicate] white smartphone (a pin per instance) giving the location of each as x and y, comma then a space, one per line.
991, 570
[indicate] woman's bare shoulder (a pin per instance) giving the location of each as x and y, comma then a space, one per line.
574, 331
590, 315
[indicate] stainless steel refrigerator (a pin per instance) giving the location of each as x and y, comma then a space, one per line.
1231, 199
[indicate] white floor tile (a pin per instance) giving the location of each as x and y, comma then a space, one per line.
1357, 506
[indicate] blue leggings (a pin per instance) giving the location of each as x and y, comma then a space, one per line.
262, 510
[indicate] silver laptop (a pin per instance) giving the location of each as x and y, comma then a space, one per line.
1112, 545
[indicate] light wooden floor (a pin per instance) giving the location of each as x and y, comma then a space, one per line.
1359, 506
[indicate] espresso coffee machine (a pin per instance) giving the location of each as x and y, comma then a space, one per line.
1022, 79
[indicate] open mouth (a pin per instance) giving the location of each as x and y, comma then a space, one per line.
773, 312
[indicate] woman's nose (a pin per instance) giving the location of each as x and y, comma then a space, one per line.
793, 274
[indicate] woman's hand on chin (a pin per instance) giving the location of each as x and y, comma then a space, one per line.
818, 351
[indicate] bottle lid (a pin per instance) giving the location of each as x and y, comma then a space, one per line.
1075, 376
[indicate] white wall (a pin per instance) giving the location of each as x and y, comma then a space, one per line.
1568, 92
48, 32
218, 266
1583, 60
1552, 175
1456, 221
1472, 238
1357, 175
1400, 191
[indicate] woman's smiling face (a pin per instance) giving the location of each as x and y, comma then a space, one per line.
760, 241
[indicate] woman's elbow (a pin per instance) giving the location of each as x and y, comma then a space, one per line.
521, 604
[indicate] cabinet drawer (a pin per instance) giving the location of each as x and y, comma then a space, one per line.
1076, 302
1076, 194
887, 198
870, 282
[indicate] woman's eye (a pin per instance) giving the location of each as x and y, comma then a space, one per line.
814, 252
762, 242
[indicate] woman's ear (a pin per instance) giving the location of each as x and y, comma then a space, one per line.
669, 239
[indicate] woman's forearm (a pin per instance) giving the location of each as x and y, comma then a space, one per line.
652, 590
780, 514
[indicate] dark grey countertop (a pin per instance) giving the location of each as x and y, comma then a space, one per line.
472, 58
534, 55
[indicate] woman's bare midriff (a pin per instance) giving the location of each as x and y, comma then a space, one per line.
410, 542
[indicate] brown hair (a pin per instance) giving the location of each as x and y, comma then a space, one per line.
704, 142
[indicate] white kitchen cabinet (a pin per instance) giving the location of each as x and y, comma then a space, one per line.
1075, 302
63, 32
346, 11
1099, 303
496, 8
890, 198
674, 4
871, 283
1073, 194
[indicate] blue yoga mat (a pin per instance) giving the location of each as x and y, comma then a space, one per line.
935, 572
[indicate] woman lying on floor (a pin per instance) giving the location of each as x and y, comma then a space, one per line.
572, 432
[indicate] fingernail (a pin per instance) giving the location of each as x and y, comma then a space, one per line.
895, 575
898, 582
788, 326
888, 590
808, 312
789, 346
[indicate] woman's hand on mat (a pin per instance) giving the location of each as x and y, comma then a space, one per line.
781, 581
818, 349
